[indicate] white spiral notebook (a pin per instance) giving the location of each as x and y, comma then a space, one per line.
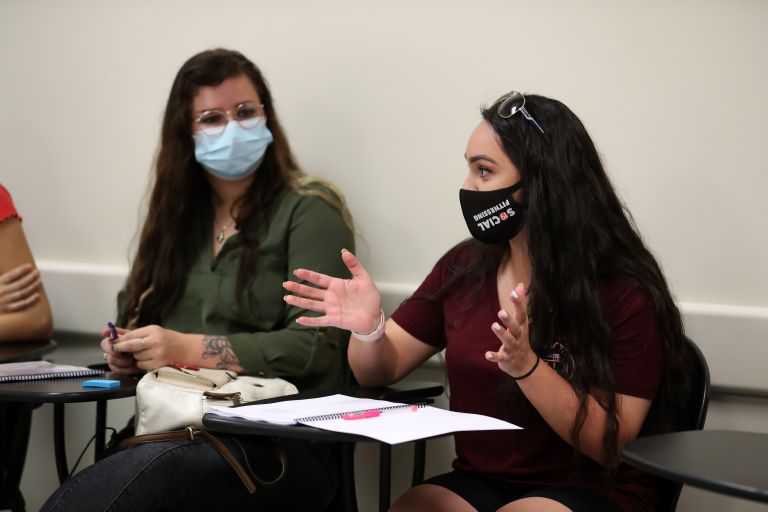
389, 422
42, 370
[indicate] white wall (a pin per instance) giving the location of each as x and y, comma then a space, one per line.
380, 97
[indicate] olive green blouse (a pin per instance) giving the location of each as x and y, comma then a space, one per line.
304, 231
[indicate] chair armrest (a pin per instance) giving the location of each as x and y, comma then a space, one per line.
403, 391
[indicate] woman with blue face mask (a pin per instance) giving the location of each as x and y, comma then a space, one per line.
554, 316
230, 216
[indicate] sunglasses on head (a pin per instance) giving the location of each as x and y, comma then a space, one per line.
513, 103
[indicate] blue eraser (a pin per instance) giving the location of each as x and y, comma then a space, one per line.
101, 383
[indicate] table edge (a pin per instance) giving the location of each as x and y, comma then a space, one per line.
731, 489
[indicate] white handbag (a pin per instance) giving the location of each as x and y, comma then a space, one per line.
174, 397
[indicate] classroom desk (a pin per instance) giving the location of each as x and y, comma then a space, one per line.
406, 391
723, 461
63, 391
14, 352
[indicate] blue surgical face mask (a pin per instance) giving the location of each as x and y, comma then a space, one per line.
236, 153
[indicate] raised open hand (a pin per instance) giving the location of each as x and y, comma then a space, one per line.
515, 355
351, 304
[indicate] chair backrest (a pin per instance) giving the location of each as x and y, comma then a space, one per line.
696, 414
700, 389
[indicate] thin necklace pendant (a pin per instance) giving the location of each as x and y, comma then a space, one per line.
220, 235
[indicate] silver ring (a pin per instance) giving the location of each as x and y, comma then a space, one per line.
143, 343
105, 356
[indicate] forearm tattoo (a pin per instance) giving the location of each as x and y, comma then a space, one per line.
220, 347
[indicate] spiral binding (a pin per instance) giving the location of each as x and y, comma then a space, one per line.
51, 375
339, 415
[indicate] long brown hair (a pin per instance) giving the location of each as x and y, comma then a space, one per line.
579, 236
182, 197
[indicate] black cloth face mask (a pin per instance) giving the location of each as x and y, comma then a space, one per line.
493, 216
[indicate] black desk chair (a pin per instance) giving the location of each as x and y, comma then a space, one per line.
693, 419
405, 392
15, 423
346, 497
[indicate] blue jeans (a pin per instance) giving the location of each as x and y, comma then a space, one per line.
192, 475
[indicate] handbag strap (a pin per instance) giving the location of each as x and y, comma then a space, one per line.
191, 432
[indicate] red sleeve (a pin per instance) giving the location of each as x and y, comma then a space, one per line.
7, 209
636, 350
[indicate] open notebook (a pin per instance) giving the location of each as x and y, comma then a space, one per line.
389, 422
42, 370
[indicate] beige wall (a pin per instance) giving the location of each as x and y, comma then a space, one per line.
380, 97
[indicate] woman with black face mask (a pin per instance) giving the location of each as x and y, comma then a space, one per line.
554, 316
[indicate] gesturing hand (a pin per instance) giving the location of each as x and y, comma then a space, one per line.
515, 355
351, 304
19, 288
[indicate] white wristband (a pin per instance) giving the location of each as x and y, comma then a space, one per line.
374, 335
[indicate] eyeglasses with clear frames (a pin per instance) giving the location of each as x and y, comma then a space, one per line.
213, 122
513, 103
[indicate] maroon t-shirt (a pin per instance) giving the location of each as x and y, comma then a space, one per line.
537, 454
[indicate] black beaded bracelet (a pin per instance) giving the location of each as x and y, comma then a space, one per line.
536, 365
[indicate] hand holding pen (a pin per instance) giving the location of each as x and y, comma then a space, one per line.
113, 336
112, 332
118, 361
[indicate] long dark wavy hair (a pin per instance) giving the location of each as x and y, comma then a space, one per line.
182, 197
578, 235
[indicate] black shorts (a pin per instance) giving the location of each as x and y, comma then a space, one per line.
487, 494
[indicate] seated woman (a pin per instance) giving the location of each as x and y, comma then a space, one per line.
24, 315
555, 317
230, 215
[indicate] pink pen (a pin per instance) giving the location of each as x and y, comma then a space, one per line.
374, 413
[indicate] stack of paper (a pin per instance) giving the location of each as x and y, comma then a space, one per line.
392, 423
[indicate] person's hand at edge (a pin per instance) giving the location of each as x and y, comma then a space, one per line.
19, 288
